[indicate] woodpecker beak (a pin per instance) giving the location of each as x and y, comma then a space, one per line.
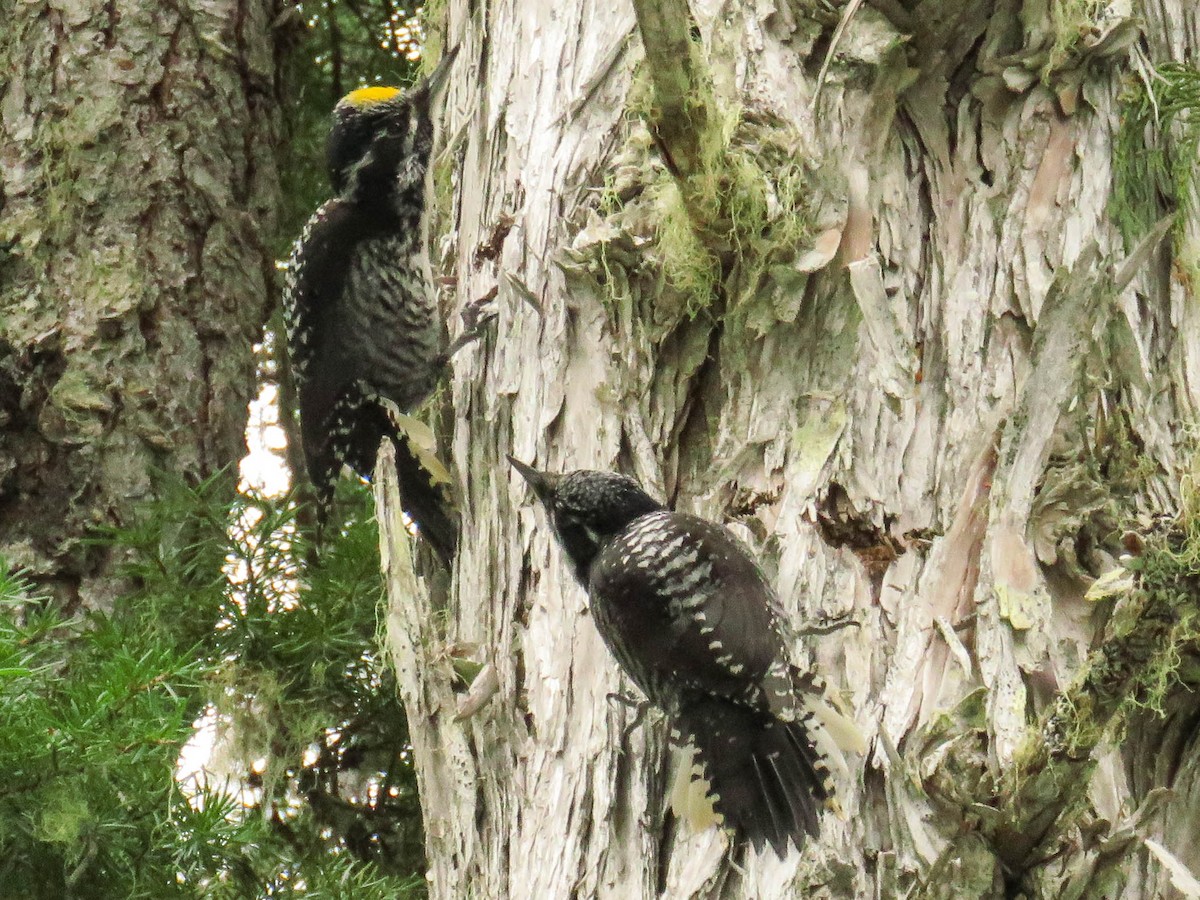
542, 483
440, 72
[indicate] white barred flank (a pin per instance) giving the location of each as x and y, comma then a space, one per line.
296, 324
391, 326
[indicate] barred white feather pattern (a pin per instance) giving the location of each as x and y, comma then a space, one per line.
700, 573
391, 323
692, 620
297, 326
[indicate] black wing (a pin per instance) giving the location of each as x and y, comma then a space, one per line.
769, 780
687, 603
316, 320
691, 618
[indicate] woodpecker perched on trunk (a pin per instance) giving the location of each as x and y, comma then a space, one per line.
363, 325
690, 618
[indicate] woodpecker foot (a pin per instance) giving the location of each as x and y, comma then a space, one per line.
830, 624
639, 707
476, 318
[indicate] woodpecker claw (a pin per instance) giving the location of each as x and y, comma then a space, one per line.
829, 624
639, 707
476, 318
623, 699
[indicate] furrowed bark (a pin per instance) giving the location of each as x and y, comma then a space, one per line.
139, 190
902, 359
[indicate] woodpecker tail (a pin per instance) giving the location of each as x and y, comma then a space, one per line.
768, 780
423, 494
837, 734
424, 499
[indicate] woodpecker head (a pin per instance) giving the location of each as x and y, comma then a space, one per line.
587, 509
368, 113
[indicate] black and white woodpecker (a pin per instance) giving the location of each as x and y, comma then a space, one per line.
690, 618
363, 325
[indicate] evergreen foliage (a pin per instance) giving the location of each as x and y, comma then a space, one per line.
1155, 149
222, 620
97, 711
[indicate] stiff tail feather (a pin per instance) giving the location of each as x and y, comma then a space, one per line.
424, 498
423, 494
836, 733
691, 793
767, 777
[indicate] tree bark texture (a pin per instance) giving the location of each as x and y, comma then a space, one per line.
139, 191
890, 332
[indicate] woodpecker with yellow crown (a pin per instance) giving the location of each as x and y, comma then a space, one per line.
363, 326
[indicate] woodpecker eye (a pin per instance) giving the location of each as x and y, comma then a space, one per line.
570, 517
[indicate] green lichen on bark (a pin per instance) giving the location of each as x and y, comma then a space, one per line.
708, 197
684, 121
1028, 810
966, 868
1029, 807
754, 197
140, 195
754, 200
1081, 30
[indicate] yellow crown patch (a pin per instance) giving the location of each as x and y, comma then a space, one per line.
368, 96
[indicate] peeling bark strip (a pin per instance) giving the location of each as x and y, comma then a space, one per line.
425, 675
1051, 774
140, 192
683, 117
985, 384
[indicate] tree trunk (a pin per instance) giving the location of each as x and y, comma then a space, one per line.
139, 193
882, 290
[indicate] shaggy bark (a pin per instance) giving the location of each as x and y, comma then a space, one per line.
891, 332
139, 188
